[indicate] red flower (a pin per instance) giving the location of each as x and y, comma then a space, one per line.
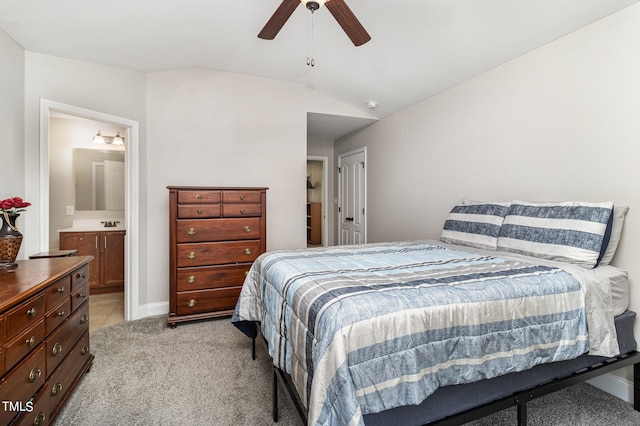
13, 205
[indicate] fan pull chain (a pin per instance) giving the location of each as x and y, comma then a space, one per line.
310, 60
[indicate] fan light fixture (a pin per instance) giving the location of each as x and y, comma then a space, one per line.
100, 139
313, 5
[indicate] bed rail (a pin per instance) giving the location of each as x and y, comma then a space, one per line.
519, 399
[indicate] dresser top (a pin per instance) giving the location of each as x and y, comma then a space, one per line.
217, 188
33, 275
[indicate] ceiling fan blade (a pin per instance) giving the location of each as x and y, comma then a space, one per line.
348, 21
279, 18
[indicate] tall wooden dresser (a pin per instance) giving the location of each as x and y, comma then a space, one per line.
215, 234
44, 337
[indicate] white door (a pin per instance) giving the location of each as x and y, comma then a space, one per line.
351, 208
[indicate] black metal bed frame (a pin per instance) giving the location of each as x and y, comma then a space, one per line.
518, 399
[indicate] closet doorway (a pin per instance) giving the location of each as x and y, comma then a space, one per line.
317, 190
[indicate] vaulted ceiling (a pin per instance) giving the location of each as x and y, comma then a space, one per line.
418, 47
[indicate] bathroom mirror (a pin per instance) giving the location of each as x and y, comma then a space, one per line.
99, 178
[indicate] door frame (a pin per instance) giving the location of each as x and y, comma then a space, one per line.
132, 193
362, 150
325, 196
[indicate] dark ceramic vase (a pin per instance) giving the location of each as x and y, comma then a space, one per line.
10, 240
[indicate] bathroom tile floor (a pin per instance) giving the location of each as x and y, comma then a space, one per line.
105, 309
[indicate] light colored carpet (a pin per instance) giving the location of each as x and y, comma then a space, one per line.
201, 373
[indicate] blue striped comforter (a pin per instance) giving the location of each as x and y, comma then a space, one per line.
362, 329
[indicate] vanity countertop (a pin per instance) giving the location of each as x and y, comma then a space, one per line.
91, 225
101, 228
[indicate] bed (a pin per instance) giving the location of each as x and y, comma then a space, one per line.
410, 329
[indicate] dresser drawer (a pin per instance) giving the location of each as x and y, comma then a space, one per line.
59, 382
205, 277
79, 277
23, 382
191, 231
57, 292
57, 315
197, 197
195, 302
22, 344
241, 197
217, 253
64, 338
79, 296
241, 210
189, 211
24, 315
39, 413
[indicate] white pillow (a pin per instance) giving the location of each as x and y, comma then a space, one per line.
476, 225
619, 213
572, 232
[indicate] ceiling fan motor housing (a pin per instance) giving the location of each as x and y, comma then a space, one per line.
312, 5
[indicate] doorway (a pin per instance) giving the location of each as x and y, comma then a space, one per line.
352, 192
131, 179
317, 196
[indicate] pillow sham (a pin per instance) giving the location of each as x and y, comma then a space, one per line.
574, 232
474, 225
619, 213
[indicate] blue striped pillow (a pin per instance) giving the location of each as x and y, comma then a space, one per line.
573, 232
474, 225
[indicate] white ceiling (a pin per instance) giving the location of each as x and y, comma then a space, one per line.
418, 47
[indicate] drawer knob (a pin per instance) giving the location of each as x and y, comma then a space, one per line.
247, 229
56, 350
84, 319
61, 290
247, 251
82, 295
40, 418
241, 211
32, 312
192, 255
198, 197
191, 231
191, 303
34, 374
85, 350
31, 341
242, 197
61, 313
191, 279
56, 388
246, 274
199, 211
81, 275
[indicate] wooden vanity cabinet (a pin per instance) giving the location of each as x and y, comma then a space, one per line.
107, 248
215, 234
44, 337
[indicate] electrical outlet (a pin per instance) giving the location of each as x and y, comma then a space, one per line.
70, 211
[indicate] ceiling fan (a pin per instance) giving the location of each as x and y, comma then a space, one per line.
338, 8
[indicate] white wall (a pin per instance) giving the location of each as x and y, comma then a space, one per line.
221, 129
12, 121
560, 123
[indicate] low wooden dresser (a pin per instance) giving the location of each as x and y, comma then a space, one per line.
44, 337
215, 235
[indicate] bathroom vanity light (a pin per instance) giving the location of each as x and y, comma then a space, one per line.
101, 139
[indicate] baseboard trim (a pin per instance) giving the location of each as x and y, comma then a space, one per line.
152, 309
614, 385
